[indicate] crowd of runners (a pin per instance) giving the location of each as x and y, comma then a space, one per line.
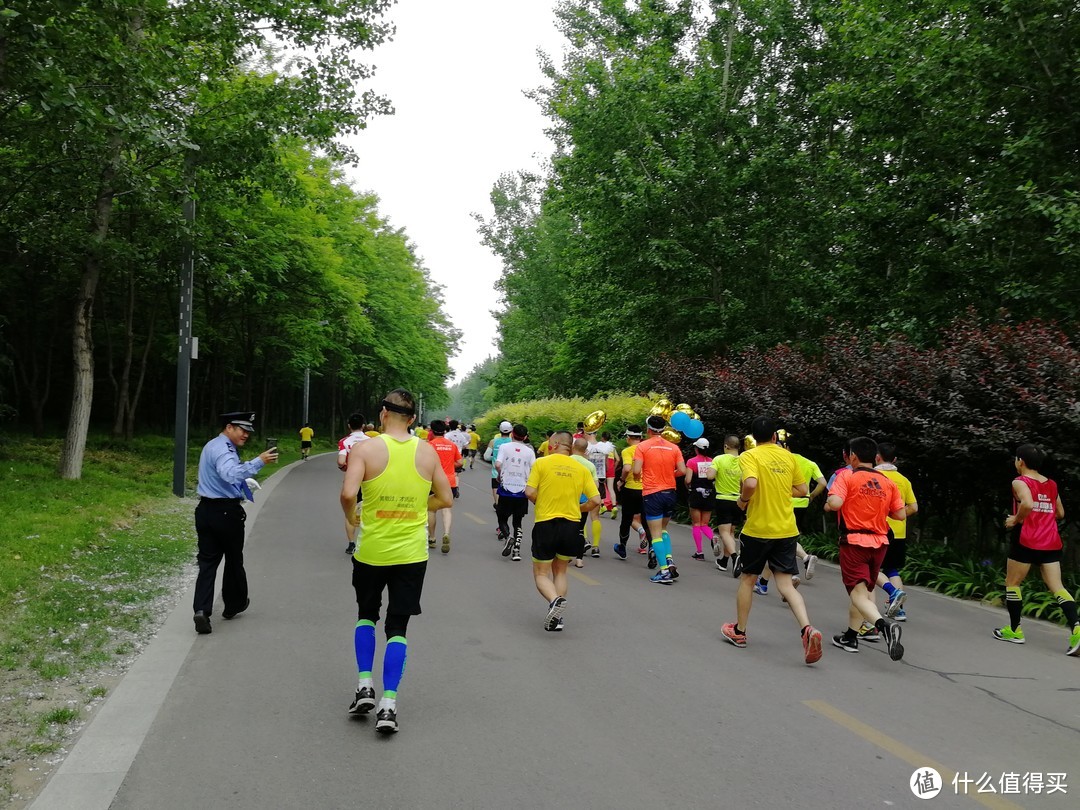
747, 505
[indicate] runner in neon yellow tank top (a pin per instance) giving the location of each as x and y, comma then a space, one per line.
402, 480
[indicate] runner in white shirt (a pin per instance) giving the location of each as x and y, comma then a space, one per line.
513, 463
356, 425
458, 436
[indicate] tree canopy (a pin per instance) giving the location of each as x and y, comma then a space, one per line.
112, 114
754, 172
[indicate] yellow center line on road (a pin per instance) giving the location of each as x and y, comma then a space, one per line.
473, 517
903, 752
586, 579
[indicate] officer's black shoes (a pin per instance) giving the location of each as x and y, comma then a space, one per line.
202, 624
247, 604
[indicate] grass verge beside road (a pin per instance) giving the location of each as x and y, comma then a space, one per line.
88, 571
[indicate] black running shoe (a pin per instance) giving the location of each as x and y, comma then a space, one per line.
364, 701
652, 561
736, 565
508, 546
845, 643
350, 549
672, 570
892, 641
386, 721
555, 612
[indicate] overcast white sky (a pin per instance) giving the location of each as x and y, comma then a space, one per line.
455, 74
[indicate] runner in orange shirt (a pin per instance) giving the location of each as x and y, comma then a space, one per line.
450, 458
864, 497
656, 463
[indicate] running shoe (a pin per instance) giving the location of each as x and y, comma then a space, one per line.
644, 541
901, 615
431, 542
1074, 642
652, 560
557, 628
578, 564
698, 556
810, 563
672, 569
350, 549
733, 636
896, 601
736, 565
509, 546
761, 590
364, 701
642, 551
386, 720
867, 632
845, 643
721, 563
795, 580
614, 512
516, 556
662, 578
892, 640
586, 548
595, 551
445, 550
811, 644
555, 612
1006, 633
717, 548
620, 550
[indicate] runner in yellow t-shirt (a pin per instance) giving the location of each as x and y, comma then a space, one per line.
770, 478
896, 555
306, 434
728, 477
474, 444
630, 499
561, 490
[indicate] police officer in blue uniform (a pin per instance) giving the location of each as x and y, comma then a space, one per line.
220, 516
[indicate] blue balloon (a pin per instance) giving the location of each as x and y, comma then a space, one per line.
680, 421
694, 430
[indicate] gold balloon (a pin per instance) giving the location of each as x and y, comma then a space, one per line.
694, 415
594, 421
749, 442
782, 437
671, 434
682, 406
663, 408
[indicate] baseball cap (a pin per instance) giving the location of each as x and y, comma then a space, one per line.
505, 427
703, 443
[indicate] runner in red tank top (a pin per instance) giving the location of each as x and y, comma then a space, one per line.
1035, 541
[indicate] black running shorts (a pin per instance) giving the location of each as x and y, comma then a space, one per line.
1033, 556
727, 512
557, 537
403, 583
779, 555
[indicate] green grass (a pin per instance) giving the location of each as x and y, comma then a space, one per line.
81, 565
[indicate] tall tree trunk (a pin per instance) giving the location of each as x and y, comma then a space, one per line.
133, 404
82, 339
123, 385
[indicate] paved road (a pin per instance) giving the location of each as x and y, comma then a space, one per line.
639, 703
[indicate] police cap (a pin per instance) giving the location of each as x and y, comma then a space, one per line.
242, 419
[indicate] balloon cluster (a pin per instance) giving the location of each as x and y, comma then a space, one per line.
681, 419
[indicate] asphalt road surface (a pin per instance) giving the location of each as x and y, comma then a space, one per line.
638, 703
